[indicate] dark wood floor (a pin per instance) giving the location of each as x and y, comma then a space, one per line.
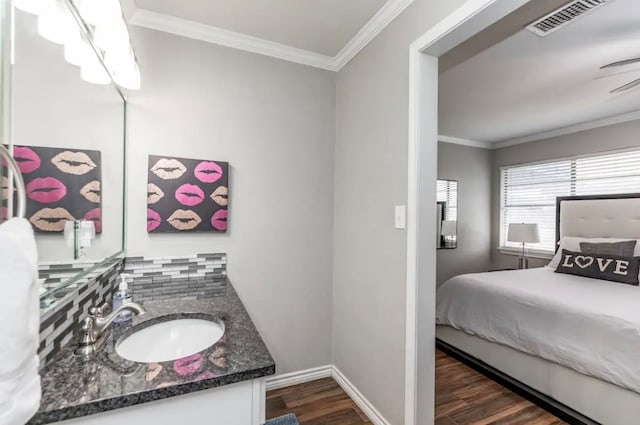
466, 397
320, 402
463, 397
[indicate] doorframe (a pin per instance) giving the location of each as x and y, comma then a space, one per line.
466, 21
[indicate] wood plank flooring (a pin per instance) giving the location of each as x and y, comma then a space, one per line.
321, 402
463, 397
466, 397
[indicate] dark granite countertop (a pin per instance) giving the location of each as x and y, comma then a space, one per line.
75, 386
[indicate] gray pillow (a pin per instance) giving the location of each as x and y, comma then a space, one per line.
613, 268
623, 249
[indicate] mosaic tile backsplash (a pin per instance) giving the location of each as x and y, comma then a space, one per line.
53, 274
193, 277
151, 278
58, 323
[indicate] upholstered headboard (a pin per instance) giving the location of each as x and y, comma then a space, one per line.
599, 216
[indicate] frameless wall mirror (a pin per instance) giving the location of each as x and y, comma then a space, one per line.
447, 214
67, 134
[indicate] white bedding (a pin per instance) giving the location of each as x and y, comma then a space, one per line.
589, 325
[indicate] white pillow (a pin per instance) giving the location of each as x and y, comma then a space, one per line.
572, 243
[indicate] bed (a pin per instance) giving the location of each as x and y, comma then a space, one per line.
570, 343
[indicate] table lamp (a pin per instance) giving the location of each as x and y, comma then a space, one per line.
448, 229
523, 233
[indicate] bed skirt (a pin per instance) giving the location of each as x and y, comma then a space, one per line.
589, 400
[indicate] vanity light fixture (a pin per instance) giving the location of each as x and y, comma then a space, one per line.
99, 12
110, 36
78, 52
35, 7
57, 24
126, 72
94, 72
105, 28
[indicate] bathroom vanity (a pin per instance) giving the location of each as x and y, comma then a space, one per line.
221, 385
73, 163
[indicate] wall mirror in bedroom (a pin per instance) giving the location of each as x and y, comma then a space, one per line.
447, 214
67, 128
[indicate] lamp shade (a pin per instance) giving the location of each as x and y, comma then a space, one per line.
448, 228
523, 233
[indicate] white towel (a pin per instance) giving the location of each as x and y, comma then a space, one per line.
19, 323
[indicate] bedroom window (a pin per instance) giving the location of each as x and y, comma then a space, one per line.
529, 191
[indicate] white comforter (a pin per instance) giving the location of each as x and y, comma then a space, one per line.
589, 325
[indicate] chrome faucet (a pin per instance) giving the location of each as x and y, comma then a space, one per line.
94, 326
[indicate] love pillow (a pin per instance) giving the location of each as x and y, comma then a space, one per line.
609, 267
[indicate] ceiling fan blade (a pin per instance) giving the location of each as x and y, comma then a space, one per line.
620, 63
627, 86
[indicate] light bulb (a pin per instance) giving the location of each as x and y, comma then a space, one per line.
99, 12
93, 72
36, 7
57, 24
78, 52
113, 36
118, 58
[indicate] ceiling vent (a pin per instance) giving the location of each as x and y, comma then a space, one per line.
561, 17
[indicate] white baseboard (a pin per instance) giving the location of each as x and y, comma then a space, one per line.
308, 375
365, 405
299, 377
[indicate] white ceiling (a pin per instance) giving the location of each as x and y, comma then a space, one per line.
528, 85
323, 27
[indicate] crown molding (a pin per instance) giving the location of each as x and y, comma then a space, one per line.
605, 122
195, 30
465, 142
210, 34
128, 8
370, 30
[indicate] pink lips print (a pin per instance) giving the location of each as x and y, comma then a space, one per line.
188, 365
189, 194
46, 190
205, 375
219, 220
153, 220
208, 172
28, 161
152, 371
94, 215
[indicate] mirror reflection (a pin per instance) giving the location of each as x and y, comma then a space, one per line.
69, 146
447, 214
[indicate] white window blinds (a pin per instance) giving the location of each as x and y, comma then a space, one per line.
528, 192
447, 192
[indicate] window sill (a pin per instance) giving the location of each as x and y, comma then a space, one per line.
544, 255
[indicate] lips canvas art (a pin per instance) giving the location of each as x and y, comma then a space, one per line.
62, 184
187, 195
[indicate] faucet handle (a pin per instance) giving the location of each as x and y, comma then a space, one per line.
86, 340
99, 311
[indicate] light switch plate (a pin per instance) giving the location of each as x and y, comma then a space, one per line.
401, 217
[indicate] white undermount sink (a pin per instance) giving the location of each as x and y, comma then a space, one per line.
170, 340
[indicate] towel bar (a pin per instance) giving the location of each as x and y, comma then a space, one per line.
19, 182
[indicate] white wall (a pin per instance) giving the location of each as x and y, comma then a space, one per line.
619, 136
471, 168
370, 178
274, 122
